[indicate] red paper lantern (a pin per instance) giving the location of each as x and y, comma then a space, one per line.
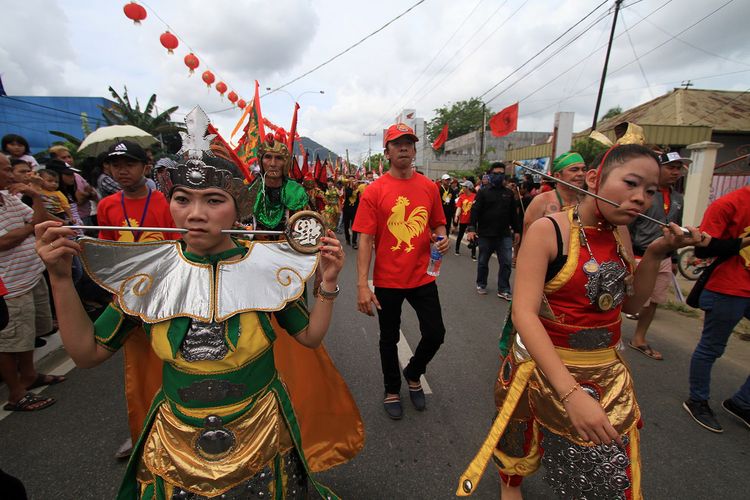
208, 77
221, 87
241, 104
169, 41
192, 62
135, 11
232, 96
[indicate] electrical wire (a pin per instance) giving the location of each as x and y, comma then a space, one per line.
481, 44
549, 57
451, 58
327, 61
640, 66
440, 50
542, 50
696, 47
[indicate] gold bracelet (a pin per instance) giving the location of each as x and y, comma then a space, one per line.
564, 399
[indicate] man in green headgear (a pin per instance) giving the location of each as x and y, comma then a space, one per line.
568, 167
274, 196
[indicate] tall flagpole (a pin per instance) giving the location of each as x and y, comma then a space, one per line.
606, 63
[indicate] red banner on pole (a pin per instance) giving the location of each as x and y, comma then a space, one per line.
441, 138
505, 122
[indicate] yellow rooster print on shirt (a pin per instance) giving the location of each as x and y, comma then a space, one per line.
405, 228
129, 236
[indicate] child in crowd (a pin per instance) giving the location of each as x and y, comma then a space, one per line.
17, 147
55, 202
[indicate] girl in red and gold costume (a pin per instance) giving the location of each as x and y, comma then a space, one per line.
564, 395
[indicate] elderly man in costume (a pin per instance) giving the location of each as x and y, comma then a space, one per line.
226, 318
568, 167
274, 196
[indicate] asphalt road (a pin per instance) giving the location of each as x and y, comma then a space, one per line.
66, 451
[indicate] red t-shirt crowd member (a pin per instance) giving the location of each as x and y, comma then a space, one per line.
3, 290
464, 202
728, 218
400, 213
150, 211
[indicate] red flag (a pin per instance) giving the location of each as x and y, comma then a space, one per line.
316, 167
295, 173
505, 122
305, 168
322, 175
441, 138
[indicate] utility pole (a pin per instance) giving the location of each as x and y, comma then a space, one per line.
606, 63
369, 147
481, 134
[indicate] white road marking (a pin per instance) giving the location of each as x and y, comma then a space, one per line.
405, 353
60, 369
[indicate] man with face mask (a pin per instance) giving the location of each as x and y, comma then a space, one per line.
493, 215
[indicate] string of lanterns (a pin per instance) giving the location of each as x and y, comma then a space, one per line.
137, 13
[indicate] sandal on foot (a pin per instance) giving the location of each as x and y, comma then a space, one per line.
646, 350
30, 402
43, 379
392, 406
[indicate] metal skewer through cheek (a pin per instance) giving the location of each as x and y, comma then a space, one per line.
304, 231
594, 195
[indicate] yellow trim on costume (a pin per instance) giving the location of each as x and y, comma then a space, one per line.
470, 478
249, 347
587, 358
635, 464
571, 263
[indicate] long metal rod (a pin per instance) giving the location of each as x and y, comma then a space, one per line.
167, 229
593, 195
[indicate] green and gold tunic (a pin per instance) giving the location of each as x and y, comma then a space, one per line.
223, 422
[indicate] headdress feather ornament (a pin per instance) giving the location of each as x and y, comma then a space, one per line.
199, 168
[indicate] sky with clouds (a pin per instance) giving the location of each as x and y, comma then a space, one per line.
440, 52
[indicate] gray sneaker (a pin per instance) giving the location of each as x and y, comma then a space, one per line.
505, 295
703, 415
481, 290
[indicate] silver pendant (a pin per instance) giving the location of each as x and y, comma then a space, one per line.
590, 267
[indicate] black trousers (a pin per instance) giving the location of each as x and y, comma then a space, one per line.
348, 220
425, 301
460, 236
4, 318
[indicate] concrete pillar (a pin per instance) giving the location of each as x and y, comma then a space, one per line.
698, 181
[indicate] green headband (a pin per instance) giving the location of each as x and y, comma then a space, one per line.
565, 160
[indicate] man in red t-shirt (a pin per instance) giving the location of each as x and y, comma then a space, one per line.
402, 214
726, 300
136, 205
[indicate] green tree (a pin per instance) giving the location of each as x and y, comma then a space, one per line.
374, 162
612, 112
160, 125
462, 117
589, 149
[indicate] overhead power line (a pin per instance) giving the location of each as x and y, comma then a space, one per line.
481, 44
542, 50
440, 50
632, 46
330, 59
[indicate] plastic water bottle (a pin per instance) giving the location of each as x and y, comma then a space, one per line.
436, 258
